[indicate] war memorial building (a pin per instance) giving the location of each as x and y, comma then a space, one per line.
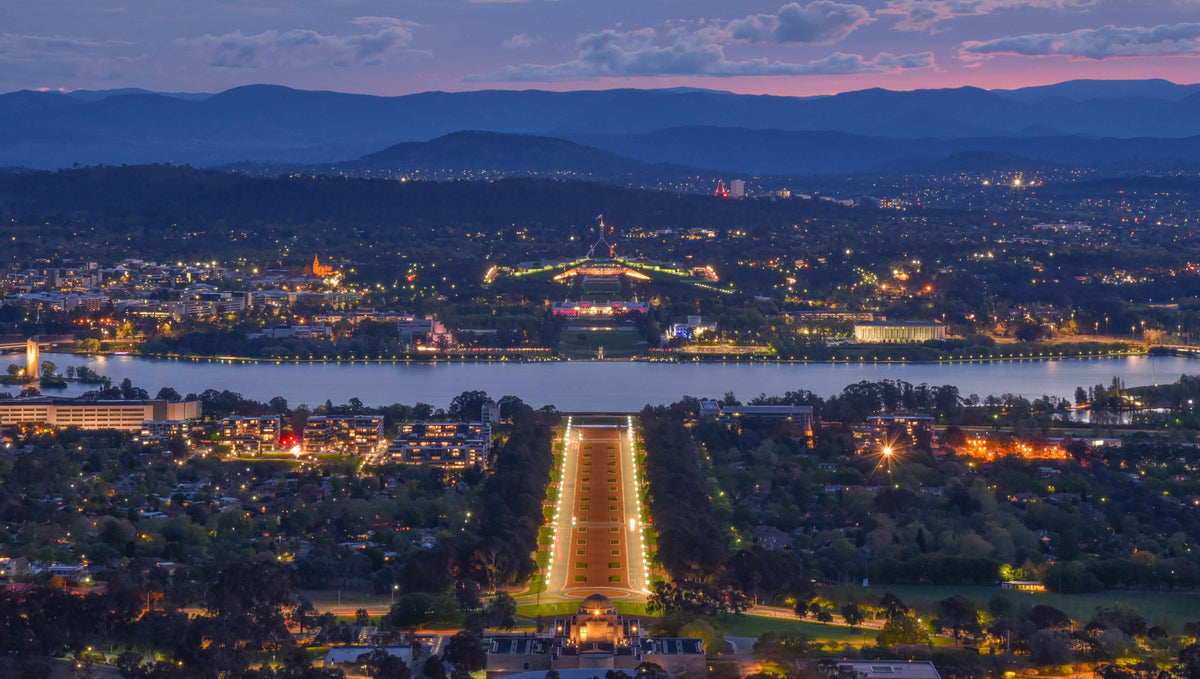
596, 637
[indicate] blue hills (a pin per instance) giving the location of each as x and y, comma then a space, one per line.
1075, 122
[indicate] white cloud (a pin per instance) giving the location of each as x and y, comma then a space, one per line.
1095, 43
821, 21
522, 41
300, 46
925, 15
622, 54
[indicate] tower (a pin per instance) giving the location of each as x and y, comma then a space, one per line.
32, 366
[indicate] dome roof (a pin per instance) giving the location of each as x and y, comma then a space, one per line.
597, 602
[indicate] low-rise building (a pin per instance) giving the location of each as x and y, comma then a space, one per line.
358, 434
157, 431
599, 308
451, 445
876, 669
883, 426
319, 332
694, 328
251, 434
898, 332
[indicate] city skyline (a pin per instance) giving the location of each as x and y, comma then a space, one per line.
764, 47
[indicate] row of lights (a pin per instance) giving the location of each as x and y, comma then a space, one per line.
635, 522
562, 479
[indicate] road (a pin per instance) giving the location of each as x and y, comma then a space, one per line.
597, 545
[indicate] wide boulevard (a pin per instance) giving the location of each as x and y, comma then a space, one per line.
597, 545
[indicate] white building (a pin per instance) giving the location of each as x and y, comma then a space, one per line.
123, 415
898, 332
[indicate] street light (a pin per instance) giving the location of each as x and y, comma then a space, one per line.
394, 588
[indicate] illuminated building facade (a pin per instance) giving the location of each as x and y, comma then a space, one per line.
450, 445
599, 308
251, 434
898, 332
358, 434
158, 431
122, 415
596, 637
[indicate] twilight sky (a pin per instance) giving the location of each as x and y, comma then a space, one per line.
751, 46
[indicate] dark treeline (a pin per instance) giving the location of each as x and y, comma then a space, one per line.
512, 500
164, 195
691, 543
246, 604
693, 547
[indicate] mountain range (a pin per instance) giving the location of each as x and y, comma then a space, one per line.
1071, 122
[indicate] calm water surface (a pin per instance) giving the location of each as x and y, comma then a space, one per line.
601, 386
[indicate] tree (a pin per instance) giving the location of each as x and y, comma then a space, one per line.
168, 394
954, 437
1189, 662
383, 665
465, 652
468, 406
1081, 397
49, 369
902, 629
501, 611
957, 613
434, 668
649, 670
1001, 607
892, 605
1047, 617
852, 615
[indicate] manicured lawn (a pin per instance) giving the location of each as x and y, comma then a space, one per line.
616, 343
1174, 608
752, 626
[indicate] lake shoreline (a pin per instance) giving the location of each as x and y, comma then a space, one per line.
682, 359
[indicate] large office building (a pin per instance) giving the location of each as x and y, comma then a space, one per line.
898, 332
800, 418
251, 434
357, 434
450, 445
64, 412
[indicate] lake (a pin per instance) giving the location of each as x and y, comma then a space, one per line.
603, 386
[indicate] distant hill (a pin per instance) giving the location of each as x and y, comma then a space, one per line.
270, 123
507, 153
1096, 90
786, 152
485, 156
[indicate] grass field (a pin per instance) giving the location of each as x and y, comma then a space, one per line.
617, 343
1172, 608
752, 626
